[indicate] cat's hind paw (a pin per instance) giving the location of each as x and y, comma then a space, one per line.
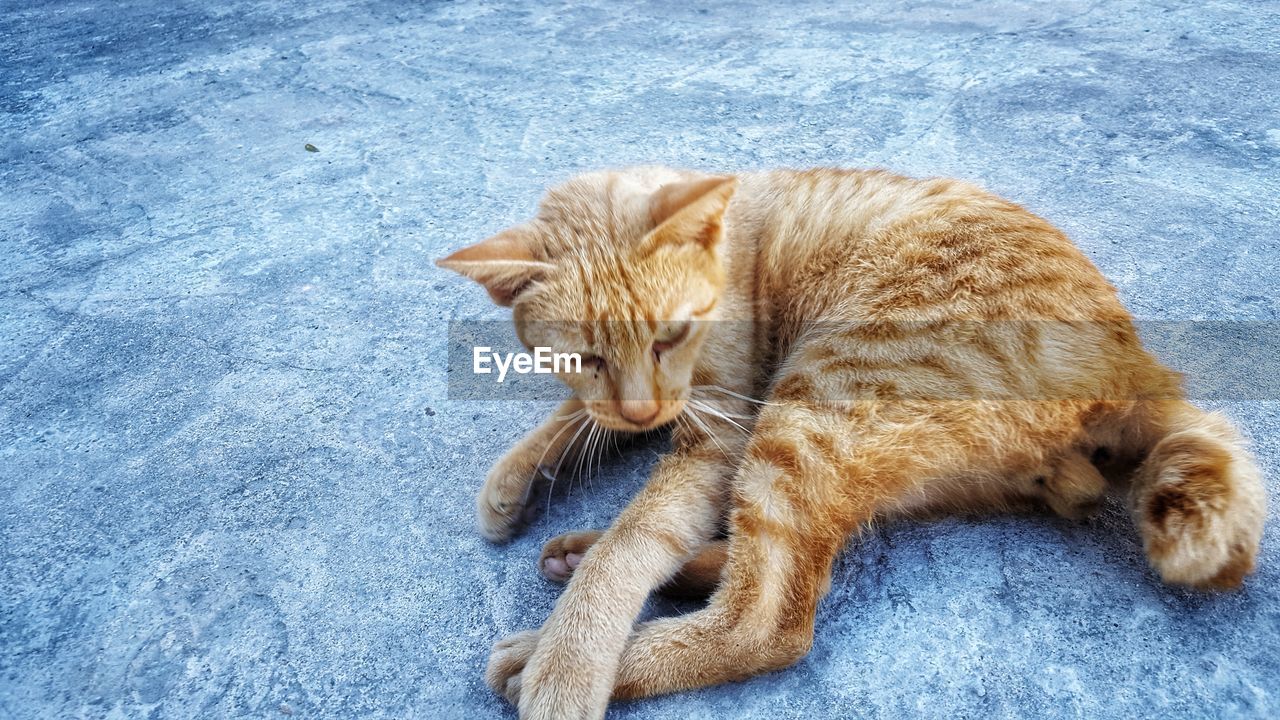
562, 554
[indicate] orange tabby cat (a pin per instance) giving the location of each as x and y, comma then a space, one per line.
920, 346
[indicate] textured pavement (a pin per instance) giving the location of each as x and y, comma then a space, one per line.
232, 482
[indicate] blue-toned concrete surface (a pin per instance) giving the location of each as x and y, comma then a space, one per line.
232, 482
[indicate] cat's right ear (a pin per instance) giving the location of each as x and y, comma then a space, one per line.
688, 212
504, 264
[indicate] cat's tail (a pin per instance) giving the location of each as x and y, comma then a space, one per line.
1198, 499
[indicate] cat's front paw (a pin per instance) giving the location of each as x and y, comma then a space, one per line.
507, 661
547, 677
504, 505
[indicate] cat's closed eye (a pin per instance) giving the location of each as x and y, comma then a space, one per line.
669, 337
593, 364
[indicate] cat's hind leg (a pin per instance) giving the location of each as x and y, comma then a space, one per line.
562, 554
1072, 486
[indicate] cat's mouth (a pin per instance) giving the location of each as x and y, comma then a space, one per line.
635, 417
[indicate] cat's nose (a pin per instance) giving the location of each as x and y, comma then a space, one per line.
640, 412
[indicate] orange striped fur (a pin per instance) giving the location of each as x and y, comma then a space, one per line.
920, 346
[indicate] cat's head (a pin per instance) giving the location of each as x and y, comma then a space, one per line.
623, 268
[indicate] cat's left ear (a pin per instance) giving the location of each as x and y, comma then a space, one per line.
504, 264
689, 212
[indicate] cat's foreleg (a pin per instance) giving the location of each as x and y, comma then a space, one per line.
787, 525
566, 669
505, 494
696, 578
812, 474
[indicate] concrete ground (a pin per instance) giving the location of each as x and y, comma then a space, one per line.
232, 480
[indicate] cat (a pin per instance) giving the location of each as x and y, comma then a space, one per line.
833, 348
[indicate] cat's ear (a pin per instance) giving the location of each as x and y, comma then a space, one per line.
504, 264
689, 212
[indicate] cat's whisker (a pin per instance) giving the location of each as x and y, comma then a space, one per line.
587, 451
727, 391
682, 422
688, 425
583, 456
582, 425
605, 435
718, 413
714, 438
713, 411
555, 474
573, 415
538, 466
706, 405
594, 440
707, 430
580, 454
695, 423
